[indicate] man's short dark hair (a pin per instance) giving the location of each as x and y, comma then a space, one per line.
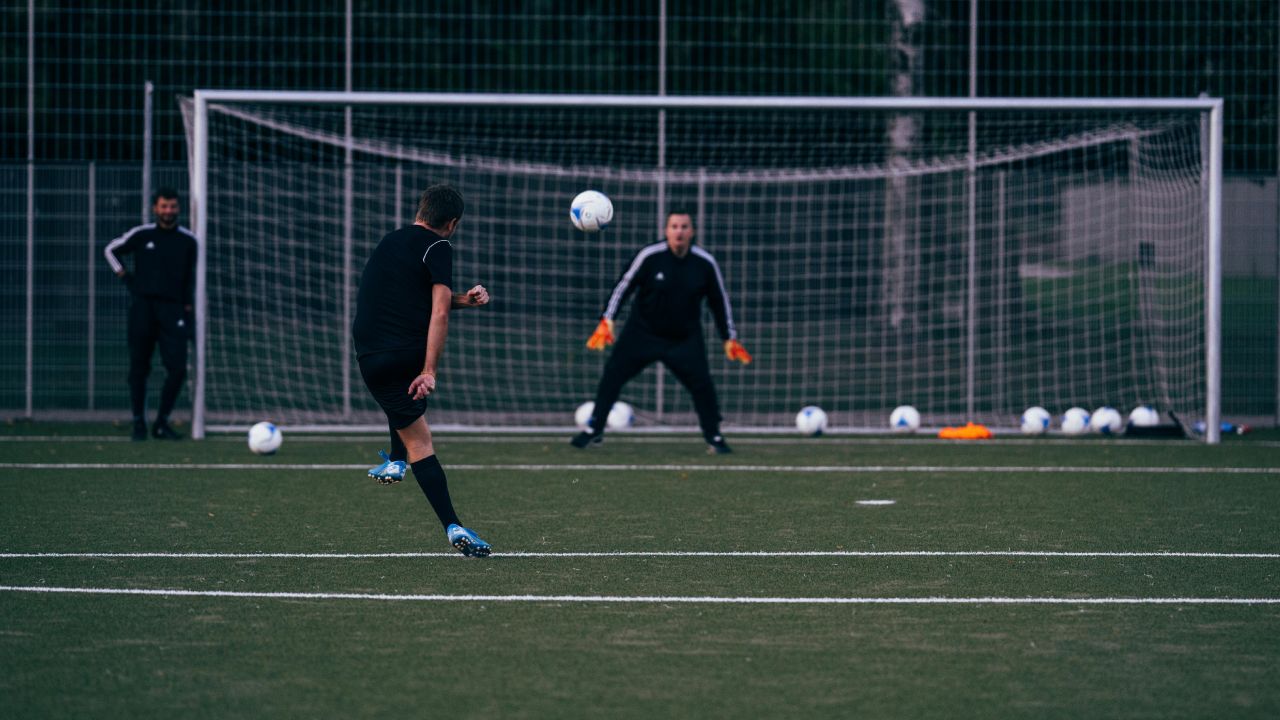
439, 205
167, 193
681, 211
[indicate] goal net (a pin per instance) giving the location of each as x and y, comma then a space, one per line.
970, 258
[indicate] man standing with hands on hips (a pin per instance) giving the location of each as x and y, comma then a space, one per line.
162, 294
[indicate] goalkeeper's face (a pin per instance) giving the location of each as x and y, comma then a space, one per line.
166, 210
679, 233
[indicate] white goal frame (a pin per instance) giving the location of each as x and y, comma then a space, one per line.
1211, 173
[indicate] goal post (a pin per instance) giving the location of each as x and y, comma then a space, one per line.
1067, 253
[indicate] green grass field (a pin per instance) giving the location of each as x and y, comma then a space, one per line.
1088, 578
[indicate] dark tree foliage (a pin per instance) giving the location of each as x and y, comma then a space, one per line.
91, 59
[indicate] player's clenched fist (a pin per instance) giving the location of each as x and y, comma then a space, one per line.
422, 386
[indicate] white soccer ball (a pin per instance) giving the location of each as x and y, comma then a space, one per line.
1106, 420
904, 419
582, 416
590, 211
621, 416
811, 420
265, 438
1035, 420
1144, 416
1075, 421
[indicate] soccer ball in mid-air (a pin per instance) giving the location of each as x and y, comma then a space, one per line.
621, 415
1106, 420
590, 211
811, 420
265, 438
1144, 416
1035, 421
1075, 421
904, 419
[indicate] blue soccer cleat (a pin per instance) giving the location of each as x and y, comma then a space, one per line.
389, 472
467, 542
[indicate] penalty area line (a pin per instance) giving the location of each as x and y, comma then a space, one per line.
850, 469
654, 554
650, 599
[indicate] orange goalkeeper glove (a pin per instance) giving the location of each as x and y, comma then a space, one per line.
734, 351
602, 337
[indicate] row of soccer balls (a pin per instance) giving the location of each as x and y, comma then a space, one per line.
1106, 420
265, 438
812, 420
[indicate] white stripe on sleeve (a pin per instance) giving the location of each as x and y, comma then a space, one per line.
724, 292
611, 309
428, 252
110, 251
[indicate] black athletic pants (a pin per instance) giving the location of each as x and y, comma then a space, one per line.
155, 321
637, 349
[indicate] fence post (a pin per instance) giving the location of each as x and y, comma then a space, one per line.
31, 201
90, 284
662, 176
348, 231
147, 90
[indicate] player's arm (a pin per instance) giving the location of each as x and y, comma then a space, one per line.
475, 297
122, 245
604, 334
437, 331
718, 303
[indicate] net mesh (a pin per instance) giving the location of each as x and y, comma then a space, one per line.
861, 274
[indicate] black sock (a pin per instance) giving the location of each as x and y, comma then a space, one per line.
430, 477
398, 450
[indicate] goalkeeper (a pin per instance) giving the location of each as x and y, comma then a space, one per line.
670, 280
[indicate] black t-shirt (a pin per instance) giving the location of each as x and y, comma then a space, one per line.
670, 291
393, 309
164, 262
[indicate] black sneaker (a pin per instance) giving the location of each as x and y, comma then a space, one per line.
584, 440
162, 431
139, 430
717, 446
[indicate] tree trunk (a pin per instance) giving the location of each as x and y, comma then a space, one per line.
906, 20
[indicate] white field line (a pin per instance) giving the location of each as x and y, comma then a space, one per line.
659, 554
652, 599
650, 439
851, 469
63, 438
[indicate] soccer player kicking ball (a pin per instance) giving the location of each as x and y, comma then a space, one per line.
670, 279
402, 318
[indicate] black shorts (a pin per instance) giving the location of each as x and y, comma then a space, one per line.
387, 375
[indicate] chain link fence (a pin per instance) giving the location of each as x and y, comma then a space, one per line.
73, 134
